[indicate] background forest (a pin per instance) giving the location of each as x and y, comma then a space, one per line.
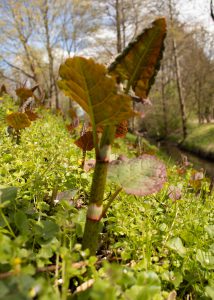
38, 35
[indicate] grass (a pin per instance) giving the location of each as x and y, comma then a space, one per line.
201, 140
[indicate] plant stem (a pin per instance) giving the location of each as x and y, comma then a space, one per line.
7, 223
91, 236
92, 226
83, 159
95, 209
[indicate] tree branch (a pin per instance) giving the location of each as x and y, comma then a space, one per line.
8, 78
18, 69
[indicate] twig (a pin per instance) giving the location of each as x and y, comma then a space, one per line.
110, 201
50, 268
6, 274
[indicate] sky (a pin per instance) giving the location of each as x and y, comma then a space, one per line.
192, 12
196, 11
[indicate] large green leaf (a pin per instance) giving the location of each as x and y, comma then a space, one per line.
206, 259
139, 176
86, 82
7, 193
140, 60
147, 287
176, 244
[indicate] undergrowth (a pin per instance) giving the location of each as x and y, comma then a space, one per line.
152, 247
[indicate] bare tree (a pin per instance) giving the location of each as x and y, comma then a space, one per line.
125, 19
48, 18
17, 30
177, 72
36, 36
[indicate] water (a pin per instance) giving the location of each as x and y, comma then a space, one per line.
198, 163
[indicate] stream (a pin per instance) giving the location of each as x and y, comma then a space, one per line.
175, 154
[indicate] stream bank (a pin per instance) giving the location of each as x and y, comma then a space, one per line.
200, 141
198, 147
175, 153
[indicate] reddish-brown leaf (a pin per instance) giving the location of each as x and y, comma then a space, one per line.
24, 93
139, 62
18, 120
32, 116
85, 142
3, 90
121, 129
72, 113
70, 127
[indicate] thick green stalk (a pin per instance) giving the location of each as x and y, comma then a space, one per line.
91, 236
95, 207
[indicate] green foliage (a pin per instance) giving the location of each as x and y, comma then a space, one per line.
171, 238
124, 283
7, 193
7, 105
154, 122
37, 223
158, 245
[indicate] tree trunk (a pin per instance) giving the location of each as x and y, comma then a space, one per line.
136, 22
24, 42
178, 77
123, 21
118, 26
180, 91
198, 99
164, 102
53, 85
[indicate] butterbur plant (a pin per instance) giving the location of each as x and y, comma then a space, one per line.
22, 119
17, 121
95, 89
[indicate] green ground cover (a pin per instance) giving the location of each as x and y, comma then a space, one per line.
201, 140
152, 247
